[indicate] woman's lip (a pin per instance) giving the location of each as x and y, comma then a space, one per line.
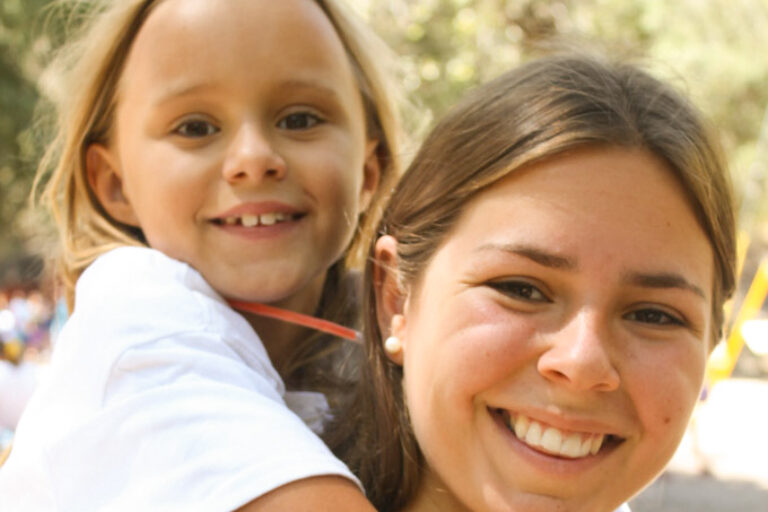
549, 463
553, 416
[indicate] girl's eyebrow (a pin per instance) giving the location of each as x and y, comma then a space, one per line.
183, 88
312, 85
178, 90
535, 254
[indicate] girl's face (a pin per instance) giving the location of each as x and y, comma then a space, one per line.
555, 344
239, 145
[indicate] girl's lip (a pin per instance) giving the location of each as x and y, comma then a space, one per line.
259, 208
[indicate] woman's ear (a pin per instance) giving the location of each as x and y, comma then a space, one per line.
371, 174
107, 184
390, 297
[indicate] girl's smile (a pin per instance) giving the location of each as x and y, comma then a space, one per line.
260, 220
240, 145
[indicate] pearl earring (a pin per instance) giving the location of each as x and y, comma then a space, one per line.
392, 345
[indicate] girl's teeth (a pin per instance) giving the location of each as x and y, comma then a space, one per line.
249, 221
267, 219
552, 440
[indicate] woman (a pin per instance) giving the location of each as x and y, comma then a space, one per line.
549, 280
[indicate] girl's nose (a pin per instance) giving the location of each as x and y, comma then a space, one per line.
252, 157
578, 356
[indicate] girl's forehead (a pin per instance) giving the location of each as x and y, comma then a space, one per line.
250, 40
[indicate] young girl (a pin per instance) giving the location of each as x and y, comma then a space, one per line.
549, 280
206, 151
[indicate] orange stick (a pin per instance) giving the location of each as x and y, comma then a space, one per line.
297, 318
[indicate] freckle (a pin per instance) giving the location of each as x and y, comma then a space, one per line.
667, 419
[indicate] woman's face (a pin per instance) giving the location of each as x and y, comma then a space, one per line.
555, 344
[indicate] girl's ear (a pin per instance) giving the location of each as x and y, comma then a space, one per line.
390, 297
371, 174
107, 184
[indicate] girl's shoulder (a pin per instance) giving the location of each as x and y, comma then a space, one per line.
132, 297
127, 267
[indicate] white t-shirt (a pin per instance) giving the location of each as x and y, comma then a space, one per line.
16, 386
159, 397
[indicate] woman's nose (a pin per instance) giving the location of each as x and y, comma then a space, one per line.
252, 157
579, 356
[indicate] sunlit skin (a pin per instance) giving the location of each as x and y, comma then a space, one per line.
232, 108
576, 291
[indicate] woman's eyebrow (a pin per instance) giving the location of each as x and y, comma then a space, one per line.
662, 280
557, 261
533, 253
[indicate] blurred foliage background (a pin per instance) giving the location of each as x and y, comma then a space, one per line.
715, 50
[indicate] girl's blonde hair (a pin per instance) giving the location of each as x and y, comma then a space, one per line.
532, 113
81, 85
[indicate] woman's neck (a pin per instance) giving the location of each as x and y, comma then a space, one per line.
434, 496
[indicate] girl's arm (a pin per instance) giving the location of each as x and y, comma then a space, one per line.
316, 494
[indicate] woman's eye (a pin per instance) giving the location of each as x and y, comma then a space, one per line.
299, 121
654, 317
195, 129
519, 290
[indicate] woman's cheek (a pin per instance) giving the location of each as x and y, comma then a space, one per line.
665, 382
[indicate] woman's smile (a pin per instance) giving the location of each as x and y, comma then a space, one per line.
553, 336
551, 440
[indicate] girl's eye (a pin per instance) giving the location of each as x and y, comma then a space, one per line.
654, 317
299, 121
520, 290
196, 129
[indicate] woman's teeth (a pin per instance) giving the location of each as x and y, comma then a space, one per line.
264, 219
552, 440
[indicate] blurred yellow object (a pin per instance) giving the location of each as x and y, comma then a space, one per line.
4, 454
725, 355
13, 350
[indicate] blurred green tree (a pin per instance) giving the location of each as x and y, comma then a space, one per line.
711, 49
22, 49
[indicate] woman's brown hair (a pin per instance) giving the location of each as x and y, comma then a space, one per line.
532, 113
